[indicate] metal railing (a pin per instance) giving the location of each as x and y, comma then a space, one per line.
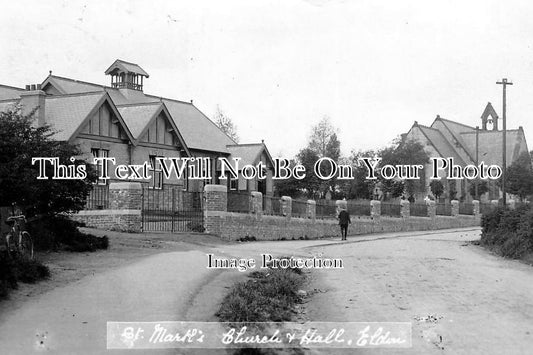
418, 209
299, 208
466, 208
98, 198
272, 206
326, 209
172, 210
359, 208
444, 209
485, 208
392, 209
240, 201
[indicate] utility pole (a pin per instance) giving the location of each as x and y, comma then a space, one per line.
477, 163
504, 82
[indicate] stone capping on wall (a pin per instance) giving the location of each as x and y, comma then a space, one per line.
125, 186
286, 206
341, 205
215, 188
109, 212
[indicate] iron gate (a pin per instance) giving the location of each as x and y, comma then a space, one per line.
172, 209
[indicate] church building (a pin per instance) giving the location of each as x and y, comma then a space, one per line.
467, 145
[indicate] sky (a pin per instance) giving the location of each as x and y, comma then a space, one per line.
276, 68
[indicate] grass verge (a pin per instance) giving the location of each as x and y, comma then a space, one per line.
267, 296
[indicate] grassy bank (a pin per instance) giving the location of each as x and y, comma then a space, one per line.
19, 269
49, 233
60, 233
509, 233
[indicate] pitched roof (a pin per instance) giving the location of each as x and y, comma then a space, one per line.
9, 92
489, 111
441, 144
8, 105
249, 153
198, 131
138, 116
452, 131
127, 67
71, 86
491, 145
125, 96
65, 114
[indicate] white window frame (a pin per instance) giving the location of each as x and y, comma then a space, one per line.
102, 165
156, 182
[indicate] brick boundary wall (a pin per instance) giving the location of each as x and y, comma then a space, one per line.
233, 226
124, 213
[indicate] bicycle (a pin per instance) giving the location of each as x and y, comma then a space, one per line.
17, 239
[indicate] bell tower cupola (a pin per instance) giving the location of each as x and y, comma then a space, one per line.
126, 75
489, 118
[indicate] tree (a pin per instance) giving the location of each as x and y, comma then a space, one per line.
437, 188
404, 153
482, 187
311, 183
360, 187
519, 177
226, 124
288, 187
452, 189
324, 142
20, 141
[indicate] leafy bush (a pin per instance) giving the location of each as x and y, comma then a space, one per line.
247, 239
515, 246
56, 232
15, 269
20, 140
195, 227
508, 232
30, 271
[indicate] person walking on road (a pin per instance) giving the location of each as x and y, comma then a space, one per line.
344, 220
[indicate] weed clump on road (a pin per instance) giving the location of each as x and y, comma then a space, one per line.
508, 232
268, 296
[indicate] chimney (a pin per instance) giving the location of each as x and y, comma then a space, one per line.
33, 102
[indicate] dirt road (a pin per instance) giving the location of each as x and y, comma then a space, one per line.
482, 303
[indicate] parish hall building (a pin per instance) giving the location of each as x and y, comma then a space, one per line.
120, 120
